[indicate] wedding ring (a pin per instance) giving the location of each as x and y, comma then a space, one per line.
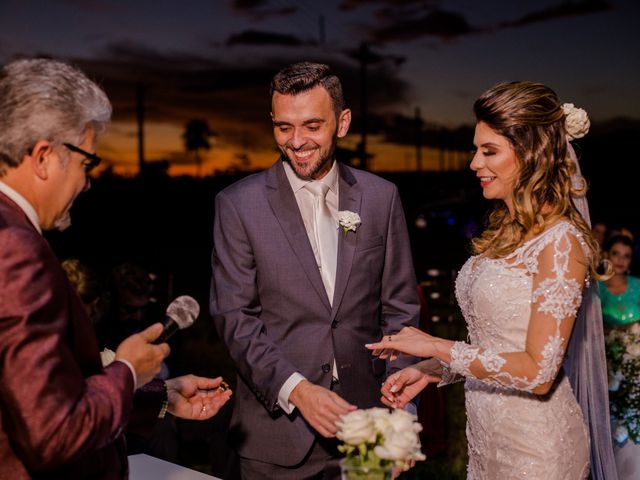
204, 409
223, 387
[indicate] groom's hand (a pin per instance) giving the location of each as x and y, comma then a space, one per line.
320, 407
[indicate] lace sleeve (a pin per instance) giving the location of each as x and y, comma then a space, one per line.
448, 375
558, 276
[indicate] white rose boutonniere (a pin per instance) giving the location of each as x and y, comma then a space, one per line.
348, 221
576, 121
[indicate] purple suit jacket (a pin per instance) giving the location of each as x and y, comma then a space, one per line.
61, 414
273, 313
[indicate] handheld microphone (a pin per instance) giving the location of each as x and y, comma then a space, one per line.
180, 314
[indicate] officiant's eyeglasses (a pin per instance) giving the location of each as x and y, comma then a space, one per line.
91, 160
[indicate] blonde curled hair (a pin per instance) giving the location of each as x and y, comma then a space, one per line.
529, 115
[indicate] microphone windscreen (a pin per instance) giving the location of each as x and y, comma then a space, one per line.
183, 310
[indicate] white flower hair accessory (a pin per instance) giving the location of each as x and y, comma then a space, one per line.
348, 221
576, 121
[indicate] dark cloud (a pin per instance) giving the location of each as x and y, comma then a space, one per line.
232, 97
407, 27
354, 4
565, 9
589, 90
369, 56
408, 20
256, 37
260, 9
249, 4
438, 23
98, 6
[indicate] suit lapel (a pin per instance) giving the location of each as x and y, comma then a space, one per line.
285, 208
350, 199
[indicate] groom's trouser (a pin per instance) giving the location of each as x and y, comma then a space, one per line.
321, 463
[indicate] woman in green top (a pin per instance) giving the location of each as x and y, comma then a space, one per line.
620, 295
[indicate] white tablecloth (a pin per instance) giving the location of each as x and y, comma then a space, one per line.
145, 467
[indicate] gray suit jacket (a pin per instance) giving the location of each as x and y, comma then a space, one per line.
271, 309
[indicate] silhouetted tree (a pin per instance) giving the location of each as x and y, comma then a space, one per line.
196, 137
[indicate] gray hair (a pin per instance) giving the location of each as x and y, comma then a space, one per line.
42, 99
303, 76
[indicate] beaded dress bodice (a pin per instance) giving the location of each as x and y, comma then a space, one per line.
512, 432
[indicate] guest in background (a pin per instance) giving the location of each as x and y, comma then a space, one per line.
599, 230
131, 304
620, 294
619, 230
89, 287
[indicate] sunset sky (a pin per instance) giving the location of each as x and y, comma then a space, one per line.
213, 60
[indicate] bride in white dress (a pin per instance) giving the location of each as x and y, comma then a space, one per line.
520, 295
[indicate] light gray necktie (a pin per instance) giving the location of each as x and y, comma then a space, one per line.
326, 236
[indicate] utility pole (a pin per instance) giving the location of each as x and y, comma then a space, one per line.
321, 30
442, 145
418, 124
363, 56
140, 118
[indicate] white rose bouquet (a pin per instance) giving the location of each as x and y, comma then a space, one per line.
376, 439
623, 363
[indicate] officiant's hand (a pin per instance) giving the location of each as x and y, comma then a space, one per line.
145, 357
401, 387
196, 398
320, 407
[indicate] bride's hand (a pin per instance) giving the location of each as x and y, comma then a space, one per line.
409, 340
401, 387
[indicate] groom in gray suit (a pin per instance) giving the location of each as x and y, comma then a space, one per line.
311, 260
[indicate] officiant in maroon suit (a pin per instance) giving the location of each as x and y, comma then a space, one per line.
295, 295
61, 414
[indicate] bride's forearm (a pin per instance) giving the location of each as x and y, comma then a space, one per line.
442, 349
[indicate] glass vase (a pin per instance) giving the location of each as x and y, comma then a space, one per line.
361, 472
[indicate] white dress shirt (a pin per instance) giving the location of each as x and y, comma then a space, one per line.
305, 199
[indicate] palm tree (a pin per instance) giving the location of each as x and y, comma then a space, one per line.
196, 137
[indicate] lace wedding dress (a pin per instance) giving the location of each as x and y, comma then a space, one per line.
512, 432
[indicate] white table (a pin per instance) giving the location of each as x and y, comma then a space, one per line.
145, 467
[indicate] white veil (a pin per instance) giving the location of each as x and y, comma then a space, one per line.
586, 364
